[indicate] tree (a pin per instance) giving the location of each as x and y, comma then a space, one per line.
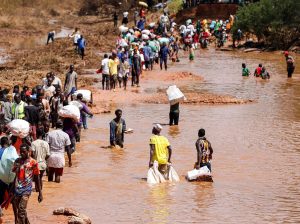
276, 23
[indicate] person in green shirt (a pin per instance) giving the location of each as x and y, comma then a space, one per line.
245, 70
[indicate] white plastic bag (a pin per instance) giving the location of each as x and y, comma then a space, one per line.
70, 111
154, 176
194, 174
19, 127
86, 94
175, 95
6, 163
172, 175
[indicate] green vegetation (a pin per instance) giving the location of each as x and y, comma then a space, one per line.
276, 23
175, 6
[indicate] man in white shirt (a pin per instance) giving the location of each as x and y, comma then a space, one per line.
49, 89
105, 72
59, 142
56, 82
70, 82
76, 35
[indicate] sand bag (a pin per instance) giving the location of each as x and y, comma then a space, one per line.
154, 176
19, 127
194, 174
172, 175
175, 95
86, 94
70, 111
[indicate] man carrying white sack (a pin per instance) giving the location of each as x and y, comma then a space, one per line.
204, 151
160, 151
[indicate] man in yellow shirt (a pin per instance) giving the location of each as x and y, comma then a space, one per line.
113, 69
160, 150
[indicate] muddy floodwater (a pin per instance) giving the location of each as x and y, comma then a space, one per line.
256, 159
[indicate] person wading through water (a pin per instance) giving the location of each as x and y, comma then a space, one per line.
160, 151
204, 151
289, 63
117, 130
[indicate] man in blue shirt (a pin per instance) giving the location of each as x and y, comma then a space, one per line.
163, 55
141, 24
117, 130
81, 46
147, 55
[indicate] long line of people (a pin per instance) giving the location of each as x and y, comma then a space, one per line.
25, 155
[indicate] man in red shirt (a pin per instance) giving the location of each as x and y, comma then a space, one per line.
257, 72
26, 170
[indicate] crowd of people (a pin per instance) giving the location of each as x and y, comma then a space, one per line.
25, 160
49, 138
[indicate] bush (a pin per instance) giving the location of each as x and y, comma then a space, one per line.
274, 22
175, 6
89, 7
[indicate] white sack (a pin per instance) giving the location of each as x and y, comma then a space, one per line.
154, 176
147, 32
145, 37
86, 94
172, 175
77, 104
175, 95
194, 174
123, 29
19, 127
70, 111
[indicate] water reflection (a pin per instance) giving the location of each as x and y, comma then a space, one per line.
159, 201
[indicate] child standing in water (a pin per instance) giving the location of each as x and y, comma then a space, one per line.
245, 70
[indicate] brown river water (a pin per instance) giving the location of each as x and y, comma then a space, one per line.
256, 160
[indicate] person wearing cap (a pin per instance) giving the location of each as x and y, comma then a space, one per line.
160, 150
204, 151
70, 82
289, 63
117, 130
